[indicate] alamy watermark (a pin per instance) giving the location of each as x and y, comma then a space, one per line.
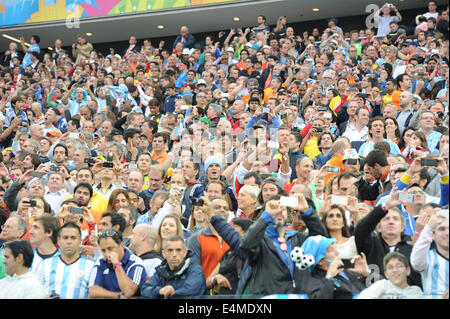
72, 22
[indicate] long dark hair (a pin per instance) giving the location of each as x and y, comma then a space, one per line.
345, 230
401, 142
397, 130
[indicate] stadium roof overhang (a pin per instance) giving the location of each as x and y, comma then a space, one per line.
199, 19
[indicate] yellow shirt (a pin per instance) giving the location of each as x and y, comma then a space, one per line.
97, 206
312, 147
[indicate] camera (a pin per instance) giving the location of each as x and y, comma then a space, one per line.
132, 166
197, 201
108, 165
37, 174
405, 197
363, 95
429, 162
55, 168
348, 263
89, 161
76, 210
333, 169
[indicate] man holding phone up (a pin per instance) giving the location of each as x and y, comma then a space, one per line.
389, 222
55, 192
437, 163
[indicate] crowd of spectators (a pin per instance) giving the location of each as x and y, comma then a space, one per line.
255, 162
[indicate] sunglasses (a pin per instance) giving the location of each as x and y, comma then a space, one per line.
109, 233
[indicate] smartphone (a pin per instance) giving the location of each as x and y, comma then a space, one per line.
32, 203
322, 109
333, 169
74, 135
319, 129
108, 165
429, 162
352, 161
339, 200
24, 129
132, 166
266, 110
110, 157
181, 189
283, 116
37, 174
288, 201
274, 145
363, 95
348, 263
55, 168
89, 161
76, 210
430, 102
405, 197
443, 213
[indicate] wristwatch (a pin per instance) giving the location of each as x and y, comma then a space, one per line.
119, 294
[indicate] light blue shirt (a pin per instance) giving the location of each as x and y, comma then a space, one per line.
26, 59
367, 147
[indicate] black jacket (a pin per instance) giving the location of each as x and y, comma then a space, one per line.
337, 288
10, 198
270, 274
375, 248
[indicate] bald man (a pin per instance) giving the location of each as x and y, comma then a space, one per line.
185, 37
407, 114
36, 132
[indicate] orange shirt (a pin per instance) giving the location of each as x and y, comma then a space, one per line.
395, 99
335, 161
268, 94
212, 252
161, 158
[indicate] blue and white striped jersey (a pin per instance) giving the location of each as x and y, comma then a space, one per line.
68, 281
38, 258
433, 267
435, 276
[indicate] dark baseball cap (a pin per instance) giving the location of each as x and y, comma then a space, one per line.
115, 132
252, 83
244, 223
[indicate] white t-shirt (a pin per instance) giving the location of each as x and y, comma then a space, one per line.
431, 15
25, 286
348, 249
385, 289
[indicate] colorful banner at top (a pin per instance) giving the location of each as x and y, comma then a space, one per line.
15, 12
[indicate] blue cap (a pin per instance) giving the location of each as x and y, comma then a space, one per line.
212, 160
317, 247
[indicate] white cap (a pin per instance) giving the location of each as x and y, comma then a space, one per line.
350, 153
188, 51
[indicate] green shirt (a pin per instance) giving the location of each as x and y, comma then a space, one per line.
2, 268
